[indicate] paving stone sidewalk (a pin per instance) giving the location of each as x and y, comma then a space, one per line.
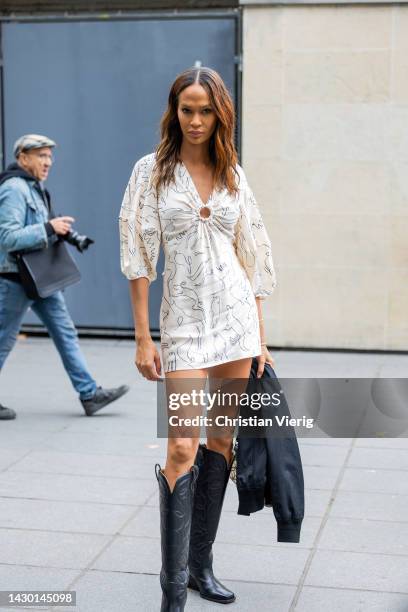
79, 502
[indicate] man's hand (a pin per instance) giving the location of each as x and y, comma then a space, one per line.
62, 225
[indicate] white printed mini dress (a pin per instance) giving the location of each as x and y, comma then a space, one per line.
214, 267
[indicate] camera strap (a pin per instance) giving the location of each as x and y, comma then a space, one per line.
46, 196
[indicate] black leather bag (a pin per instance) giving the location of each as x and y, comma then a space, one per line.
45, 271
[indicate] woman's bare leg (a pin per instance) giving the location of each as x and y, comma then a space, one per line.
239, 370
181, 451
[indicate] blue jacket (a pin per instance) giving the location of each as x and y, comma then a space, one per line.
23, 217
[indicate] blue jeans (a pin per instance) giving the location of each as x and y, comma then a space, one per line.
53, 313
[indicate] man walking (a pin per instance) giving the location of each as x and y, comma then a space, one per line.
25, 224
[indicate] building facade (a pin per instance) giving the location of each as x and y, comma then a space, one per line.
323, 114
325, 144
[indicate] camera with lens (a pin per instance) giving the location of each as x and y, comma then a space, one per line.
77, 240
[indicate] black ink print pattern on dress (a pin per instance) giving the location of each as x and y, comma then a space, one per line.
215, 265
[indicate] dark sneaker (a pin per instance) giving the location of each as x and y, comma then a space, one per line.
102, 398
6, 414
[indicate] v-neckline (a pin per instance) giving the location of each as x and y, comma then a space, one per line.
195, 188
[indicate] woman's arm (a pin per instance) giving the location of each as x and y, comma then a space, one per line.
265, 355
140, 237
147, 358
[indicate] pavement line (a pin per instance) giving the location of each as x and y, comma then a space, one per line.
105, 547
324, 520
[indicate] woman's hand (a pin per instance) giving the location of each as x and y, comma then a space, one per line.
265, 357
148, 359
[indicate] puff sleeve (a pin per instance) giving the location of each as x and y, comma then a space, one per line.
252, 244
139, 224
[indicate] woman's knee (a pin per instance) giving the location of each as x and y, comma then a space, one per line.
221, 445
182, 450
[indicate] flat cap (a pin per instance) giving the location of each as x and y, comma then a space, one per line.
32, 141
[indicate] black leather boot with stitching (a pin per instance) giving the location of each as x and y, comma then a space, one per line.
208, 500
175, 525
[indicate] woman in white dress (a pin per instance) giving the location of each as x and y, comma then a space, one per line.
192, 197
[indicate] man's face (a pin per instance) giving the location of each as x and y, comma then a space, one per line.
36, 162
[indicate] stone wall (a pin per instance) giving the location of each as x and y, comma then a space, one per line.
325, 147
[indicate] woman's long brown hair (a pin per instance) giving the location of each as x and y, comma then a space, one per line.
221, 146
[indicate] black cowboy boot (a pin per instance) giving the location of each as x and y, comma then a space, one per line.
175, 524
209, 496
